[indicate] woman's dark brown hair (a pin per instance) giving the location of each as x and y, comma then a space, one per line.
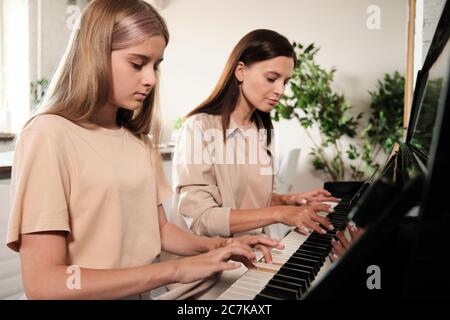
258, 45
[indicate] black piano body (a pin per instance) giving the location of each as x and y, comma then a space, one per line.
402, 210
405, 211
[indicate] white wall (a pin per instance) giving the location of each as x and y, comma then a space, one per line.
15, 59
54, 25
428, 13
35, 35
203, 32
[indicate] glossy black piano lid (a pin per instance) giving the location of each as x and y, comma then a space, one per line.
430, 91
439, 161
432, 231
409, 249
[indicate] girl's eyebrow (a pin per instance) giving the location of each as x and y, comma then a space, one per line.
140, 56
143, 57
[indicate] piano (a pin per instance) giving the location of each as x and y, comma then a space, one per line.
293, 269
402, 210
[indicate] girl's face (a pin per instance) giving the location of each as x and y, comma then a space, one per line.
134, 72
263, 83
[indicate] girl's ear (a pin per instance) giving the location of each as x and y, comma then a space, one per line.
239, 72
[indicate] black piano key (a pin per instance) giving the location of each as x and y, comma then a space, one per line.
340, 211
318, 246
260, 296
298, 266
337, 219
296, 274
312, 253
299, 288
288, 293
296, 281
302, 255
302, 261
320, 250
316, 235
326, 247
279, 293
320, 241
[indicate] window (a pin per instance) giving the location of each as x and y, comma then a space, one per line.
14, 65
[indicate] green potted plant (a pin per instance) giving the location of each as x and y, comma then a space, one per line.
176, 125
318, 108
37, 92
385, 125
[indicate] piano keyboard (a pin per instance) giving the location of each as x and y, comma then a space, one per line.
293, 270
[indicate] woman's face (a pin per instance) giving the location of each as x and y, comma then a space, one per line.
134, 72
263, 83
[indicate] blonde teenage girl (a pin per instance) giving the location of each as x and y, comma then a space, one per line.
87, 184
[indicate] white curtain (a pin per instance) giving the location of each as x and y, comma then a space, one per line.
15, 78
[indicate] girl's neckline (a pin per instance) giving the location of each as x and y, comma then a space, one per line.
101, 129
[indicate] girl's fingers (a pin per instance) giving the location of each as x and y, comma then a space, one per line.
266, 241
242, 244
222, 266
237, 251
266, 253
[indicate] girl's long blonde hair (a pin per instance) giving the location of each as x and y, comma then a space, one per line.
82, 80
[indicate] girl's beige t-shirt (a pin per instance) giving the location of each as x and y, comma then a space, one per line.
101, 186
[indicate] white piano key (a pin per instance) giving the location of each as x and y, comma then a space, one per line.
247, 283
244, 291
267, 266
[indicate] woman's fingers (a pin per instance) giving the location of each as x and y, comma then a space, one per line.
311, 225
342, 239
338, 249
333, 256
323, 199
355, 232
322, 220
300, 201
321, 207
322, 192
303, 229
